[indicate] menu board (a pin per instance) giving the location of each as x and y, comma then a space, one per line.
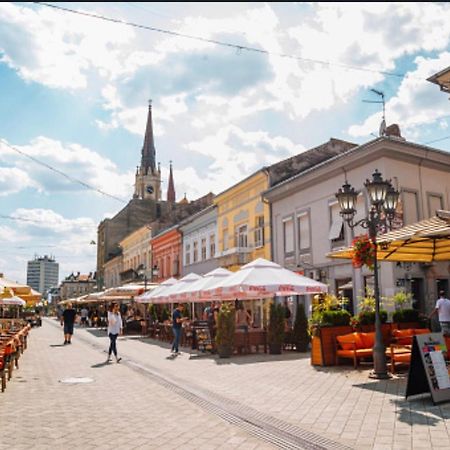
202, 336
429, 371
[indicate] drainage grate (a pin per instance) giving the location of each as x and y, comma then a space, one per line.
263, 426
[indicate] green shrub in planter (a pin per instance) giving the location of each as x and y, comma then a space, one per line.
336, 318
300, 333
165, 314
275, 335
368, 317
406, 315
225, 331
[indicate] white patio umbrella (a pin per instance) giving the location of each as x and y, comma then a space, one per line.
12, 301
166, 296
150, 295
263, 278
193, 291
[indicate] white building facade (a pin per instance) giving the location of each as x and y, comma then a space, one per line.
306, 224
200, 242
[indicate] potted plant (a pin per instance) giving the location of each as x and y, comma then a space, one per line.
225, 331
405, 316
366, 316
275, 332
300, 332
329, 319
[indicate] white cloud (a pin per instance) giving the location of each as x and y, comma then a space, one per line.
233, 154
60, 49
13, 180
43, 231
73, 159
416, 102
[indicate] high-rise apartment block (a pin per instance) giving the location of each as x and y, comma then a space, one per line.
42, 273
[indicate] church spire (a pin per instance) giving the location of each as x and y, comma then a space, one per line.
148, 150
171, 187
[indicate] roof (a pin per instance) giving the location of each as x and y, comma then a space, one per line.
353, 151
442, 79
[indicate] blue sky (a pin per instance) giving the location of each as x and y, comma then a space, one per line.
74, 94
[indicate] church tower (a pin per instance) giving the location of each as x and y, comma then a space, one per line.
171, 188
148, 177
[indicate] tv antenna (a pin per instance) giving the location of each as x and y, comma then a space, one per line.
382, 129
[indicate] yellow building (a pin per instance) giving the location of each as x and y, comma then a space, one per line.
136, 253
243, 217
243, 222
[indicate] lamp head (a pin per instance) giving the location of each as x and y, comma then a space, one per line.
377, 188
346, 197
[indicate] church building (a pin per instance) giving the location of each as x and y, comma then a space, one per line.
146, 207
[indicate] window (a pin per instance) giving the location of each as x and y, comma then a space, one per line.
195, 256
288, 236
259, 231
212, 245
434, 203
336, 234
187, 254
410, 207
304, 240
241, 236
203, 249
225, 239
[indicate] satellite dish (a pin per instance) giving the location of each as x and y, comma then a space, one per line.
382, 131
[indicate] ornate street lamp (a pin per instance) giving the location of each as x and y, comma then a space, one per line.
383, 199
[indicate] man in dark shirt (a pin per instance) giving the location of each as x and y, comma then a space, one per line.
177, 321
68, 319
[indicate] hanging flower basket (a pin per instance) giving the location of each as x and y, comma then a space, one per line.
363, 252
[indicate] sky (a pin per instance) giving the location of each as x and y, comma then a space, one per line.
74, 94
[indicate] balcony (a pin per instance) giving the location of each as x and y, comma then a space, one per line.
234, 256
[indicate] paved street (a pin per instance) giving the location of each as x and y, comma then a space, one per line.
150, 401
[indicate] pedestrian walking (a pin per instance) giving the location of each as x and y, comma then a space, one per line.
115, 327
443, 311
177, 322
68, 320
84, 316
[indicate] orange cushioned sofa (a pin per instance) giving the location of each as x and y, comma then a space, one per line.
400, 348
355, 346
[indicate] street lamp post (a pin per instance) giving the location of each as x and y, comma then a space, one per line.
383, 198
142, 272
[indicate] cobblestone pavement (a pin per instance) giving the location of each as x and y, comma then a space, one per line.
256, 401
120, 409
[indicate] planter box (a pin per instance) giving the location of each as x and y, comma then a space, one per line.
323, 346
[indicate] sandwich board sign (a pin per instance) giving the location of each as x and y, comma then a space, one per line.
429, 371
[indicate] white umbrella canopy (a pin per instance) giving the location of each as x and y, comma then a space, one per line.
182, 283
128, 290
12, 301
149, 295
263, 278
193, 291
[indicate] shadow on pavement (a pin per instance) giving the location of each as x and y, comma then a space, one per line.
97, 332
100, 365
253, 358
56, 345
